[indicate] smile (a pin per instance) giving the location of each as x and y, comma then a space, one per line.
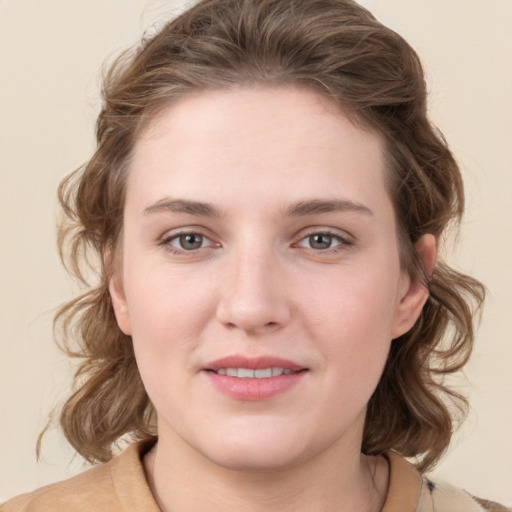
244, 378
248, 373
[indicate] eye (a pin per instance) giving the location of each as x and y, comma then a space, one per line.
320, 241
323, 241
187, 242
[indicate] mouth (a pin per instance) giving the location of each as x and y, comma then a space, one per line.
262, 367
254, 379
248, 373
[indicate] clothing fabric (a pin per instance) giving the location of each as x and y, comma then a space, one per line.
120, 486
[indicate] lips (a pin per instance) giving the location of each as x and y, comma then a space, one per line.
253, 363
252, 379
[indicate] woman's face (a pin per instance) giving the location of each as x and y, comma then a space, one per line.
260, 275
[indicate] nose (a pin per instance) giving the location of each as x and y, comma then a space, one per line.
254, 295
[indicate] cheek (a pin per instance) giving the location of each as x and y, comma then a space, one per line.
354, 323
166, 327
360, 303
167, 312
361, 337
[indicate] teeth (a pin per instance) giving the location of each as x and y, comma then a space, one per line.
261, 374
247, 373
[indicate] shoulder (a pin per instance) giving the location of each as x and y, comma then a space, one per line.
74, 493
409, 491
448, 498
105, 487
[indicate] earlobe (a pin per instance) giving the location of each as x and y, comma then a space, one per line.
415, 292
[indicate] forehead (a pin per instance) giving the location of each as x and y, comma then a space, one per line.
285, 140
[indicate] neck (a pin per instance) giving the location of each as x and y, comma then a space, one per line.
182, 480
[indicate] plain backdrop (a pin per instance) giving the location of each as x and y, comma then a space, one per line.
51, 55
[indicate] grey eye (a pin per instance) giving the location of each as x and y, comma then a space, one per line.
190, 241
320, 241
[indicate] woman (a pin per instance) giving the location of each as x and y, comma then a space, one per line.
271, 324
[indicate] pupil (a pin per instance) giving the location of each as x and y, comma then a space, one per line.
320, 241
191, 241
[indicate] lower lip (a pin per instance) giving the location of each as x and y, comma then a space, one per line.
254, 389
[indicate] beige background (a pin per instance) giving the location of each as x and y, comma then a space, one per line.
50, 56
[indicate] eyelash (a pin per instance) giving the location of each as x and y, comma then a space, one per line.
167, 242
343, 242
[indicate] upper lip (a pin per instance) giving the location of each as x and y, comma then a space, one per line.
253, 363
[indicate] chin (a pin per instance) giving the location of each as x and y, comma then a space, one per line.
256, 450
256, 459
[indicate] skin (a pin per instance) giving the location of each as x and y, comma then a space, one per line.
258, 282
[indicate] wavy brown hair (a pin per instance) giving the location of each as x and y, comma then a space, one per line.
338, 49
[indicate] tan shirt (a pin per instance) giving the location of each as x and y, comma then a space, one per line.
120, 486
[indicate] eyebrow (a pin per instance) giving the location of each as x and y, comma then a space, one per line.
318, 206
183, 206
300, 209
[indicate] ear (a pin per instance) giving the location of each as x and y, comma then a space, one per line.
118, 298
117, 295
414, 293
